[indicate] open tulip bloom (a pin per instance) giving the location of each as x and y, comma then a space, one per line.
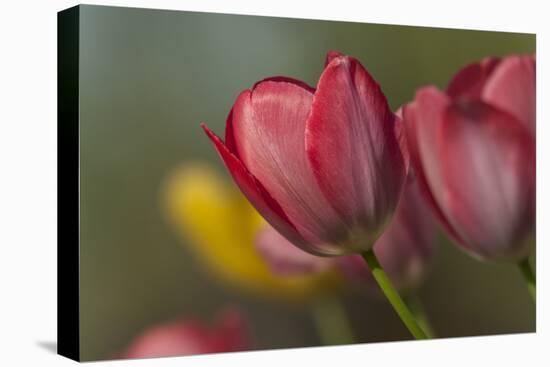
473, 149
325, 167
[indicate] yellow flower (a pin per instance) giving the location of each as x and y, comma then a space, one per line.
219, 224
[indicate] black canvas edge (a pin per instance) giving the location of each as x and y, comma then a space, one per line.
68, 183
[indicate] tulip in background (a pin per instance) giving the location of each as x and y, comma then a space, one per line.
507, 84
284, 258
324, 166
189, 336
473, 148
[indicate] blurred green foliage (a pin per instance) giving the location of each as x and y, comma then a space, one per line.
148, 77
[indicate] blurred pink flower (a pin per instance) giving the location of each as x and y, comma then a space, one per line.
324, 166
188, 337
404, 250
286, 259
473, 149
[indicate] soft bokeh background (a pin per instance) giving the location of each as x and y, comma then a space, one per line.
149, 77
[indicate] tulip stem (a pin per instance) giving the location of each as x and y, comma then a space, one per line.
417, 309
332, 322
529, 277
393, 297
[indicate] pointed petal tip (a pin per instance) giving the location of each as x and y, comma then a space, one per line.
204, 126
340, 60
349, 97
211, 135
331, 55
253, 189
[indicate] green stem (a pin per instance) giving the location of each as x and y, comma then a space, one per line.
419, 313
529, 277
332, 322
393, 297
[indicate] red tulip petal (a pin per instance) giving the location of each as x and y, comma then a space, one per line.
254, 190
286, 79
425, 128
331, 55
352, 146
400, 134
489, 178
511, 87
268, 126
229, 134
470, 80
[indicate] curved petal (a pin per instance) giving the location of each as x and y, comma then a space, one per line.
511, 88
229, 133
489, 178
286, 259
286, 79
413, 126
401, 136
471, 79
352, 146
230, 136
254, 190
268, 127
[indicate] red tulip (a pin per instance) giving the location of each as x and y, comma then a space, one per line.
473, 149
187, 337
324, 166
406, 247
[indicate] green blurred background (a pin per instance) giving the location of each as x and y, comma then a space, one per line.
148, 77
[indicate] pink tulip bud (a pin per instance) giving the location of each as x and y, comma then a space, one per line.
324, 167
187, 337
473, 149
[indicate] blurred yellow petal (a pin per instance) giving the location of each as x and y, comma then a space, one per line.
219, 224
